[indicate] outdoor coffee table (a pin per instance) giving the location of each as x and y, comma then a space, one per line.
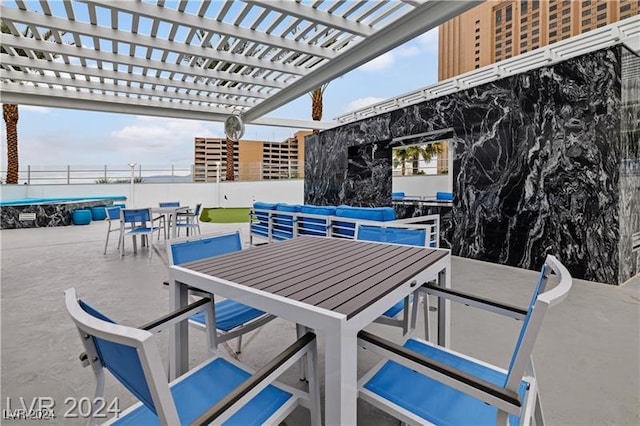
331, 285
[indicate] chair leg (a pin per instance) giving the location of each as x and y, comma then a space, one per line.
405, 317
427, 326
106, 243
239, 344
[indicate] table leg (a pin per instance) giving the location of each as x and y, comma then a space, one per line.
341, 387
174, 224
444, 312
178, 334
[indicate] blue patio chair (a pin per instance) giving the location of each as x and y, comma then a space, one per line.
232, 319
134, 222
189, 220
220, 390
413, 235
448, 387
113, 219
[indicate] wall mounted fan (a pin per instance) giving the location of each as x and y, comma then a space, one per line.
234, 126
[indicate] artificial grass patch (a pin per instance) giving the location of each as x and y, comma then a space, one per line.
225, 215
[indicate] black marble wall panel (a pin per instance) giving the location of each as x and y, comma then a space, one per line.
368, 173
629, 166
538, 174
52, 214
536, 166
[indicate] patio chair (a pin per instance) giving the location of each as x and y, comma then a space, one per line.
113, 219
138, 222
413, 235
190, 220
232, 319
219, 390
448, 387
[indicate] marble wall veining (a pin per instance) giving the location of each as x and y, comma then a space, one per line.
629, 166
536, 166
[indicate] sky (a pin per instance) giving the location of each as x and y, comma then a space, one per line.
61, 137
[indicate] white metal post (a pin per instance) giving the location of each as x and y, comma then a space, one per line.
218, 164
132, 166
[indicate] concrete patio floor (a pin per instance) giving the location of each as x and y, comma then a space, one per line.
587, 355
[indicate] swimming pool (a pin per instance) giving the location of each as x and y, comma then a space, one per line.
44, 212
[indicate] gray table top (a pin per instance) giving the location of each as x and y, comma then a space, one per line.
341, 275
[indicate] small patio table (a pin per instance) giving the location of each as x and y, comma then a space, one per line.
169, 213
331, 285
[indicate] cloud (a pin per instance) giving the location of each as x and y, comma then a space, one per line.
362, 102
428, 41
157, 136
31, 108
407, 51
380, 63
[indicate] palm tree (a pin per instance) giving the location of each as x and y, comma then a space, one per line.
10, 111
413, 154
316, 102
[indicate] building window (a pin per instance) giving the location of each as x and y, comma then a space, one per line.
477, 52
601, 6
566, 30
498, 45
553, 25
535, 41
523, 36
566, 20
477, 66
586, 3
477, 37
566, 11
535, 4
586, 12
553, 16
477, 44
625, 8
523, 20
553, 7
535, 15
553, 33
586, 22
524, 5
602, 16
535, 32
498, 17
508, 42
508, 11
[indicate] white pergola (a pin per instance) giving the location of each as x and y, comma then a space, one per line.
197, 59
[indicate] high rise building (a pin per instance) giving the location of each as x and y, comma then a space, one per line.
499, 29
253, 160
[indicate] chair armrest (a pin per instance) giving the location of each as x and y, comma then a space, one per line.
475, 301
175, 317
257, 379
483, 390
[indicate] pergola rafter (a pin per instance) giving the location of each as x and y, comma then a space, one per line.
197, 59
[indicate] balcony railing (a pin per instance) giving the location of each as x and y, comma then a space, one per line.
78, 174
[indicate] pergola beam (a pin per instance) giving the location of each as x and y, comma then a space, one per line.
57, 98
60, 67
117, 36
139, 92
421, 19
314, 15
29, 44
210, 26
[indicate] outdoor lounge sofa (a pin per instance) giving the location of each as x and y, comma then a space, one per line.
280, 221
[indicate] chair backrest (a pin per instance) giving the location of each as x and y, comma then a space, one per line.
202, 247
130, 354
113, 213
196, 212
169, 204
541, 300
136, 215
392, 235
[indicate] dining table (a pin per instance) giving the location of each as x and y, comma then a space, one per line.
170, 218
331, 285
